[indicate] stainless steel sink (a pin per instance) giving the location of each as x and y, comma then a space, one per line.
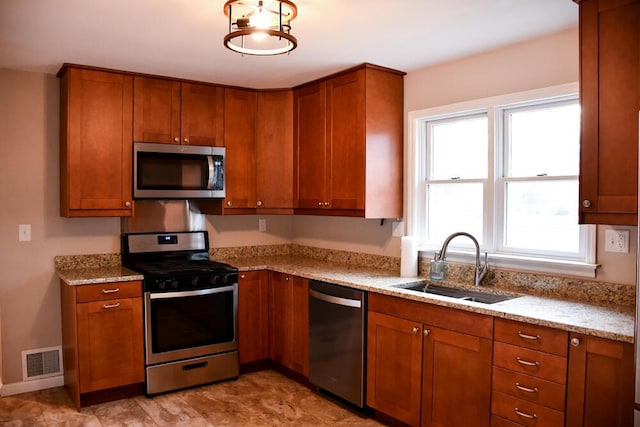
461, 294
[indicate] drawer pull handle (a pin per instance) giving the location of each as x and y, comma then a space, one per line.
527, 389
110, 291
526, 362
525, 415
528, 337
108, 306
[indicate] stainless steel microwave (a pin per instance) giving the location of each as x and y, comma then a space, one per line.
168, 171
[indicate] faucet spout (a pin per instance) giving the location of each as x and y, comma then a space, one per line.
481, 270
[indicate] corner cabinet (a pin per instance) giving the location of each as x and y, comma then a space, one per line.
428, 365
610, 100
258, 136
95, 143
102, 337
172, 112
348, 144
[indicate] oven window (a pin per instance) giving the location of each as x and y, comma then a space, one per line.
193, 321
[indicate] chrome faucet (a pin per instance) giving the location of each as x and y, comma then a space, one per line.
481, 271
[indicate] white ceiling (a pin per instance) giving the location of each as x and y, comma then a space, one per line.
183, 38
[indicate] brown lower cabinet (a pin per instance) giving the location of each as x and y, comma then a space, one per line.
600, 382
102, 339
428, 365
253, 316
289, 321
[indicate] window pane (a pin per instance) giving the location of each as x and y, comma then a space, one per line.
459, 148
542, 215
454, 207
545, 140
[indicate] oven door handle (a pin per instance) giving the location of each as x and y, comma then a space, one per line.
181, 294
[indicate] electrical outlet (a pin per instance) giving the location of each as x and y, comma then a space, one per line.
262, 224
616, 241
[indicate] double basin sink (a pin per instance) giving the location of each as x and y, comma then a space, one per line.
456, 293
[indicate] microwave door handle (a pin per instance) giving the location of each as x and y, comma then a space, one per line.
211, 173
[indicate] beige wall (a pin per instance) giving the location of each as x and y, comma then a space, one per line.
29, 190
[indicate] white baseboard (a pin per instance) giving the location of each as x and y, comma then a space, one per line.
34, 385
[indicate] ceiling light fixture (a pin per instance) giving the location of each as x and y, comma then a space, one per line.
260, 27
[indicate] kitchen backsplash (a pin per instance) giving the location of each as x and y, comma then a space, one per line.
588, 291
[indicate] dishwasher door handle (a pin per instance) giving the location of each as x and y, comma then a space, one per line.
336, 300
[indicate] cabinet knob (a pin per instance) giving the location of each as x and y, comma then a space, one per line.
415, 330
319, 203
426, 332
326, 203
186, 140
586, 203
286, 278
127, 204
176, 139
229, 203
259, 203
575, 342
242, 276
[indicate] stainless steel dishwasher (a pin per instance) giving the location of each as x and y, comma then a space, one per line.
337, 340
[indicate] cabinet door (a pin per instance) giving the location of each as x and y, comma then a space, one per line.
394, 367
239, 139
280, 319
346, 141
456, 387
110, 346
600, 382
96, 143
300, 324
310, 146
253, 316
202, 115
610, 93
274, 150
156, 110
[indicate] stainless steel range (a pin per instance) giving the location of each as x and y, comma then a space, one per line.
190, 306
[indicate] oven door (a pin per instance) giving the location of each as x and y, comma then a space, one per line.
185, 324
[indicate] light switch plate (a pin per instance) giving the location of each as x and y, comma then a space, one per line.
616, 241
24, 232
262, 224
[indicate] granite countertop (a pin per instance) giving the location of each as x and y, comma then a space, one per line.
610, 322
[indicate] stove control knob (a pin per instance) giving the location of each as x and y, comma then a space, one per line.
213, 280
162, 284
174, 284
194, 282
224, 279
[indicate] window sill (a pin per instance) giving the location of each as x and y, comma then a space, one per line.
520, 263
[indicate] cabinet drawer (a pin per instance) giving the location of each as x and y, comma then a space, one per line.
108, 291
529, 388
530, 362
524, 413
535, 337
497, 421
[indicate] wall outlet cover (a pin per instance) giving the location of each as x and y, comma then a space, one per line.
616, 241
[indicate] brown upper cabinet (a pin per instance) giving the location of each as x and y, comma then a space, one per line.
95, 143
610, 101
258, 136
348, 144
173, 112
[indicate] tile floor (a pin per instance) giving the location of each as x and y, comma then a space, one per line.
264, 398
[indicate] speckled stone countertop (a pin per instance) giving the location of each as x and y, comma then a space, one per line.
614, 321
610, 322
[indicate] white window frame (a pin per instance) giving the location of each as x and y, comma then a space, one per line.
415, 186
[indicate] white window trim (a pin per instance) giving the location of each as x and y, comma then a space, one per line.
415, 171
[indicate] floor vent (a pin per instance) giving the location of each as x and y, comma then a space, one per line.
41, 363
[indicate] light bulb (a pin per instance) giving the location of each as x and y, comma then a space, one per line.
260, 19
